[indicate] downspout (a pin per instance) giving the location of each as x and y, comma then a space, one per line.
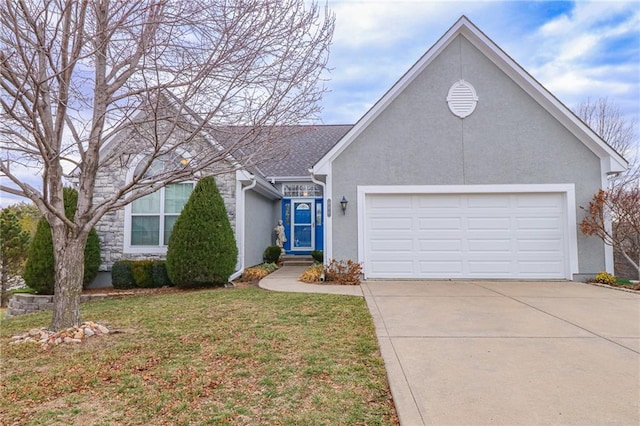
324, 228
240, 209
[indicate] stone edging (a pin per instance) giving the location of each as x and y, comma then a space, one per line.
25, 303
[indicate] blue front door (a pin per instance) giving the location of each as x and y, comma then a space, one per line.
303, 223
302, 235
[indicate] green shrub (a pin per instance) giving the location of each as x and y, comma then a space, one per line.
317, 255
605, 278
122, 275
92, 258
202, 249
159, 273
39, 271
271, 254
142, 271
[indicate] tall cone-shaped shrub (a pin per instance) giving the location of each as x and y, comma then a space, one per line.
202, 248
39, 270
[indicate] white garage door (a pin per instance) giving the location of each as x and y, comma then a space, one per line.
502, 235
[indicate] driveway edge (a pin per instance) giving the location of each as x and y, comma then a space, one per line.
403, 399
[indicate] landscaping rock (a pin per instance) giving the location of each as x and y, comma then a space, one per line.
47, 338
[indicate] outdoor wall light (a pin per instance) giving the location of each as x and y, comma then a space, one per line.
343, 204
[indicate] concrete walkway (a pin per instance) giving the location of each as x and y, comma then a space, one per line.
286, 279
511, 353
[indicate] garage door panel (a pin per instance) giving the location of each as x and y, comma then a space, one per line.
438, 202
439, 223
393, 267
491, 267
395, 224
492, 245
537, 201
540, 245
390, 202
485, 223
393, 246
437, 246
445, 267
552, 223
550, 268
482, 202
465, 236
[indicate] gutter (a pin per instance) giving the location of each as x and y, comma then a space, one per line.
325, 228
240, 219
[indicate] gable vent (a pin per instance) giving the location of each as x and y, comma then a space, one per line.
462, 99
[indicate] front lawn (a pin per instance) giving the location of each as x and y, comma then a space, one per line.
241, 356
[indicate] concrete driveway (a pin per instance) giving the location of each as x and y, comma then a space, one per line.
486, 353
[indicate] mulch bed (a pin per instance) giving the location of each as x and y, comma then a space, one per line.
110, 291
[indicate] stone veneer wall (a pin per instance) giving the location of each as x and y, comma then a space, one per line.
21, 304
114, 175
622, 267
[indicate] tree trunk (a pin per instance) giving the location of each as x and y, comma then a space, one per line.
69, 273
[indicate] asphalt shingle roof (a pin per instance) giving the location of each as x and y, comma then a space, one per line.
305, 147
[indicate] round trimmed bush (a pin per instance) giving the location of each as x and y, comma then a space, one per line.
39, 271
202, 249
271, 254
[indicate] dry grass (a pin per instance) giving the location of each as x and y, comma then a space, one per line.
223, 357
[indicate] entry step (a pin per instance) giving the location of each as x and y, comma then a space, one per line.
291, 260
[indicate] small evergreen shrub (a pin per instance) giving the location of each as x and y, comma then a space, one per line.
605, 278
159, 273
317, 255
271, 254
311, 274
344, 272
202, 249
122, 275
142, 271
39, 271
92, 258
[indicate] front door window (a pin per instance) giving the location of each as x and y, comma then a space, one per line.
302, 226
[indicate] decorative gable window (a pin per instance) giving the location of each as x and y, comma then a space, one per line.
150, 219
301, 190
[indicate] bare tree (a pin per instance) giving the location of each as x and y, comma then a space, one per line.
75, 74
603, 116
614, 217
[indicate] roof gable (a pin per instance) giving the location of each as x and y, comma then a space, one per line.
613, 162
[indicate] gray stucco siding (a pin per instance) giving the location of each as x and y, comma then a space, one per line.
509, 139
260, 219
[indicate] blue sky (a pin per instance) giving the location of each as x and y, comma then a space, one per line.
576, 50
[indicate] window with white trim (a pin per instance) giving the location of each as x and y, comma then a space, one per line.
152, 217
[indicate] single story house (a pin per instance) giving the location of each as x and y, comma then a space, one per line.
467, 168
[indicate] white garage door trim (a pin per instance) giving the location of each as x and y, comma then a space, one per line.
566, 190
